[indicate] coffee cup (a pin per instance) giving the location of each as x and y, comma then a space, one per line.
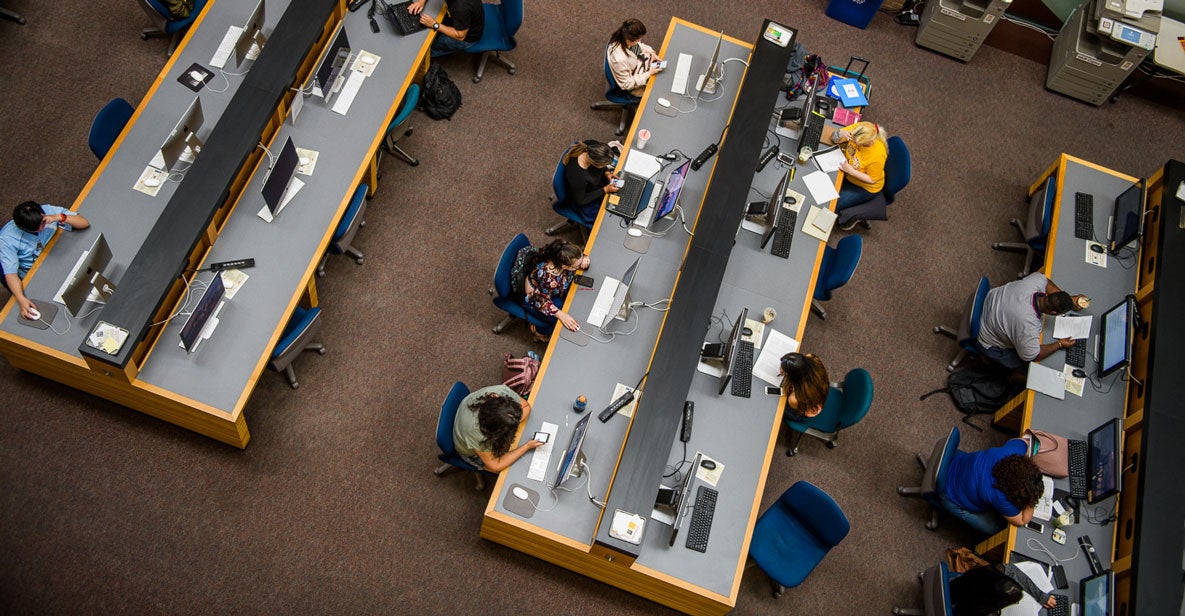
643, 138
768, 314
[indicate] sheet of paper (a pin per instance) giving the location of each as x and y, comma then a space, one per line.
641, 163
1028, 606
813, 229
830, 161
365, 66
153, 175
1095, 258
768, 362
619, 391
1077, 327
758, 329
821, 187
713, 369
1044, 509
1074, 384
1044, 381
541, 455
1181, 191
711, 477
232, 281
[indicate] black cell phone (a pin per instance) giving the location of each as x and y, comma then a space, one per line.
1035, 526
542, 436
584, 281
773, 391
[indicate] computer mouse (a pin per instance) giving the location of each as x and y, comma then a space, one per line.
151, 182
519, 492
304, 161
664, 102
791, 200
1079, 372
708, 464
197, 76
634, 232
746, 331
35, 313
368, 59
1097, 248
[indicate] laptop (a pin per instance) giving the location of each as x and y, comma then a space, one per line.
405, 23
633, 196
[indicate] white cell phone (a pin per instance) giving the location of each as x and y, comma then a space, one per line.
662, 65
542, 436
618, 182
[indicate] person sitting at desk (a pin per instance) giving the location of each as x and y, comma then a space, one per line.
461, 28
23, 238
587, 175
865, 150
987, 488
1010, 329
805, 383
549, 274
631, 61
485, 426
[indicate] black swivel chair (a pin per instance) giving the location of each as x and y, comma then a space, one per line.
1035, 231
934, 474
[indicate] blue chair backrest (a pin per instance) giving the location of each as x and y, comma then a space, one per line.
898, 168
816, 511
506, 263
857, 397
1038, 243
981, 292
512, 16
410, 100
615, 93
108, 123
448, 415
351, 212
300, 320
948, 453
838, 265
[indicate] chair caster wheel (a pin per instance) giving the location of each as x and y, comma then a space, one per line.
900, 491
408, 132
414, 163
477, 80
513, 71
790, 453
937, 330
930, 526
320, 274
143, 37
322, 351
295, 385
832, 444
358, 261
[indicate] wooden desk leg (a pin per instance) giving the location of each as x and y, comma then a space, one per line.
309, 299
1011, 416
995, 548
372, 174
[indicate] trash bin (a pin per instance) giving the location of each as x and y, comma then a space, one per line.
853, 12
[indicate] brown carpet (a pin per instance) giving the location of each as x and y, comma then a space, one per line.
333, 508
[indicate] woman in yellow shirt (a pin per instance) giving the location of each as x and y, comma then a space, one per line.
865, 150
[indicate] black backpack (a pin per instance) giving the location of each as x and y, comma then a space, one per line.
980, 389
518, 271
440, 97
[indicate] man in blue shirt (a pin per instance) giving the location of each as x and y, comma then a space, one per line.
987, 488
23, 238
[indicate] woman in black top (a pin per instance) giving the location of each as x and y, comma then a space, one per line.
587, 175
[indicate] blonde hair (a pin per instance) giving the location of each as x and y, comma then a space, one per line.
864, 133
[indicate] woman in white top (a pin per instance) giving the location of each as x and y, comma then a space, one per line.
631, 61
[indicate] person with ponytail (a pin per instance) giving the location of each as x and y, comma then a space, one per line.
486, 423
586, 176
805, 383
549, 274
865, 149
631, 61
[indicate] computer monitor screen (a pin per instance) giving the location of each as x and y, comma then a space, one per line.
1105, 456
1127, 221
730, 349
681, 503
86, 282
183, 135
1095, 593
670, 192
252, 29
572, 458
191, 331
774, 211
710, 72
1115, 338
621, 299
332, 63
280, 175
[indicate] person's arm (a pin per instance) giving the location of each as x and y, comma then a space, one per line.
1050, 288
497, 464
1049, 348
64, 218
416, 7
18, 292
584, 190
849, 170
627, 70
1021, 518
1026, 583
448, 31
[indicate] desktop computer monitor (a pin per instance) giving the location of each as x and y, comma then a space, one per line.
774, 211
681, 500
280, 176
183, 136
710, 75
670, 193
252, 34
331, 66
730, 350
1096, 593
1104, 455
619, 307
191, 331
87, 282
1115, 338
1127, 220
573, 457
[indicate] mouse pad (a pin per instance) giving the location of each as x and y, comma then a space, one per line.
190, 77
518, 506
577, 338
48, 311
640, 244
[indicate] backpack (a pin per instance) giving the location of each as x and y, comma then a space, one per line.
179, 9
982, 591
518, 272
439, 98
519, 373
802, 71
980, 389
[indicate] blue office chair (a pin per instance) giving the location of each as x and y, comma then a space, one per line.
934, 474
347, 228
502, 23
304, 324
898, 171
1035, 231
846, 405
791, 538
163, 23
968, 330
936, 595
616, 98
107, 126
562, 206
399, 128
444, 436
836, 270
505, 299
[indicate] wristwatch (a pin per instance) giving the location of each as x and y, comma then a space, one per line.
63, 217
436, 26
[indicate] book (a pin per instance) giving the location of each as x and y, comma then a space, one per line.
845, 117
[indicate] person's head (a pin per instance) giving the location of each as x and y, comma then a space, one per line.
28, 216
599, 154
562, 254
1058, 303
628, 35
865, 133
1019, 479
806, 377
497, 417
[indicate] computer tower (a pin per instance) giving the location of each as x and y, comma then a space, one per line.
958, 27
1087, 64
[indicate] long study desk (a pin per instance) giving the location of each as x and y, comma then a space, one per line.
739, 433
206, 391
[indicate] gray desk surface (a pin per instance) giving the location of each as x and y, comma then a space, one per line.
221, 372
595, 369
1074, 417
114, 208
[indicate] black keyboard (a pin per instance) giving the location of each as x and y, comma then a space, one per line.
701, 518
1076, 355
812, 132
404, 22
742, 370
1062, 608
629, 197
784, 234
1084, 216
1076, 450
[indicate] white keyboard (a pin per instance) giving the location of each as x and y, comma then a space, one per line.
349, 91
682, 73
541, 458
226, 47
604, 302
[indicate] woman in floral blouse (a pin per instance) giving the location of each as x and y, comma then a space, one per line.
548, 278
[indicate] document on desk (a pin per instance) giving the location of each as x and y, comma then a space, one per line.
1044, 508
768, 362
346, 97
821, 187
1028, 606
541, 455
1077, 328
1044, 381
641, 163
819, 222
830, 160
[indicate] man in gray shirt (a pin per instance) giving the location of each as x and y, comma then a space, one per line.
1010, 329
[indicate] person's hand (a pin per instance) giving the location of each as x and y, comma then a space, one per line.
426, 20
1051, 601
531, 444
26, 307
1065, 343
654, 69
567, 320
846, 167
584, 263
610, 188
415, 7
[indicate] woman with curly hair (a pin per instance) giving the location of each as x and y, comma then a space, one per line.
805, 383
549, 274
987, 488
486, 423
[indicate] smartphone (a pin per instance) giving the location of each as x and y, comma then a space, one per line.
618, 182
773, 391
1035, 526
662, 65
542, 436
583, 281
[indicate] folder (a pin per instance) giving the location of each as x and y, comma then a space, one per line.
848, 91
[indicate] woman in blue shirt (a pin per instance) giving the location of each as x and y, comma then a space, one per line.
987, 488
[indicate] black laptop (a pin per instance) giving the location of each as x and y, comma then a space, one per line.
405, 23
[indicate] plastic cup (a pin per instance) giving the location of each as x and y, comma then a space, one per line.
769, 314
643, 138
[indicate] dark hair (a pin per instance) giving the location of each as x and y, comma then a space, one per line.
982, 591
806, 376
1019, 479
1059, 302
630, 29
599, 153
498, 418
28, 216
557, 252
